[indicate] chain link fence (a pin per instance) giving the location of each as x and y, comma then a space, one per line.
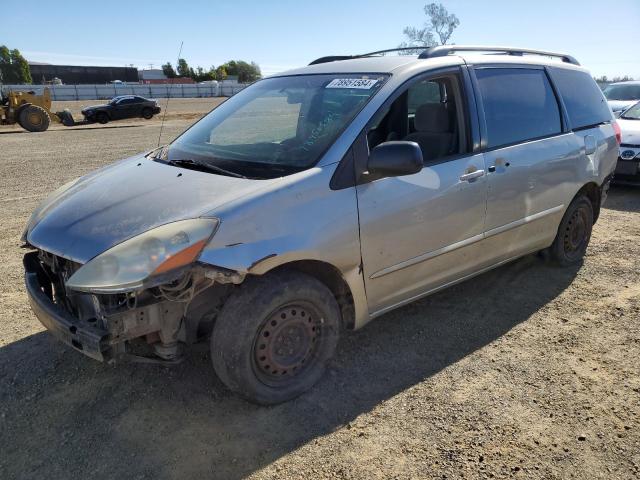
97, 92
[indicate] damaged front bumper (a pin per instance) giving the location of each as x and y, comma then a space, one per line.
100, 326
84, 336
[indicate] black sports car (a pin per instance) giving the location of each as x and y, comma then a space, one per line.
124, 106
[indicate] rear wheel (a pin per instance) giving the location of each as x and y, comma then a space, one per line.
147, 113
102, 118
274, 336
574, 233
34, 118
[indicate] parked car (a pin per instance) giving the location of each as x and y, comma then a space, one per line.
628, 166
622, 95
316, 200
124, 106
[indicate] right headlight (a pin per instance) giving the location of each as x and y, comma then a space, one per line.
133, 263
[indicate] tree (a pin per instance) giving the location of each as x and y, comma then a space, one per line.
221, 73
168, 70
22, 67
6, 72
14, 68
440, 23
246, 72
183, 68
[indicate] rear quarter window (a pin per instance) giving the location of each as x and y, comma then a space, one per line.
519, 105
583, 99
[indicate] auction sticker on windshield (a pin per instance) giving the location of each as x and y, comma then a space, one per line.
361, 83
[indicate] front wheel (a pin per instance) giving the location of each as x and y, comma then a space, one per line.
102, 118
147, 114
274, 336
574, 233
34, 118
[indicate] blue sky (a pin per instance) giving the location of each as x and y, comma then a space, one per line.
278, 35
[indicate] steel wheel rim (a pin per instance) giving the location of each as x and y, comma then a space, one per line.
35, 119
287, 343
575, 233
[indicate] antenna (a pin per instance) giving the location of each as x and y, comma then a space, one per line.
169, 96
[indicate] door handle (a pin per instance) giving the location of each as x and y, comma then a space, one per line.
471, 175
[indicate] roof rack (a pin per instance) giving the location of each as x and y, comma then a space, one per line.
336, 58
444, 50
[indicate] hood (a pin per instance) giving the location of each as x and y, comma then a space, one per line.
618, 105
94, 107
630, 131
127, 199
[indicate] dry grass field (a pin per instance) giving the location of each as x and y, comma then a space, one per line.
528, 371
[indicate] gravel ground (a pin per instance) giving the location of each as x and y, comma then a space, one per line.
528, 371
176, 109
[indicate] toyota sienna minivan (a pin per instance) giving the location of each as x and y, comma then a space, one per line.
318, 199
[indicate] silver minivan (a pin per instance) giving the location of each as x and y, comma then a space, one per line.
316, 200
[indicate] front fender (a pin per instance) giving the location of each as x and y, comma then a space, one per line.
299, 219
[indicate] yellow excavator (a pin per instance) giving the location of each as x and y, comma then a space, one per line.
32, 112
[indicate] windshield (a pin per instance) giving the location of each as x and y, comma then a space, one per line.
622, 92
632, 113
277, 126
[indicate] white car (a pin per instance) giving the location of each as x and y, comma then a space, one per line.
622, 95
628, 167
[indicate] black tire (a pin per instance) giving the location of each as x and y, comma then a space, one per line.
102, 117
34, 118
574, 233
274, 336
147, 113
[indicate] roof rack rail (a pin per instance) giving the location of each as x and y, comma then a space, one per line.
444, 50
336, 58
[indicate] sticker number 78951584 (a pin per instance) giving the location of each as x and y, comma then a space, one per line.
362, 83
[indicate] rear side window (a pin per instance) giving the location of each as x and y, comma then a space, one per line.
622, 92
519, 105
583, 99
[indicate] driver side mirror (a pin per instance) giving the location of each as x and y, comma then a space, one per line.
394, 159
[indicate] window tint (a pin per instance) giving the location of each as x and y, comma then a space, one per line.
622, 92
519, 105
426, 91
582, 97
427, 112
127, 101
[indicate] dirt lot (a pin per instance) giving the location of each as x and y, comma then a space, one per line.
528, 371
189, 109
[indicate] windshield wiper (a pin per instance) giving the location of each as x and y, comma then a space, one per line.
188, 163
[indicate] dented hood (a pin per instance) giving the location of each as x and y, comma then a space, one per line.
127, 199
